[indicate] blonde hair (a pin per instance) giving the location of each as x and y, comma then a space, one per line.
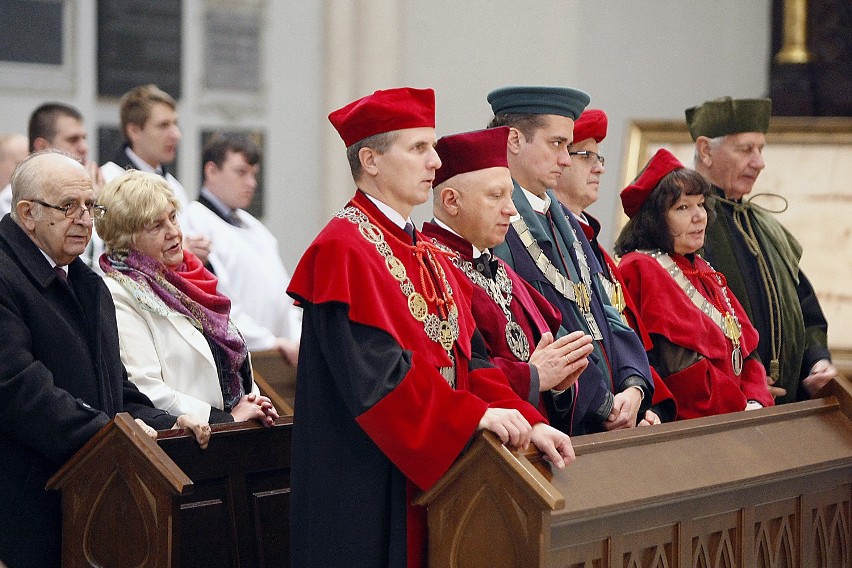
136, 104
132, 201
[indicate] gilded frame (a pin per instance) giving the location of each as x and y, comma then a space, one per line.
809, 163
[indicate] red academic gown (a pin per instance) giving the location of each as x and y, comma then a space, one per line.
662, 402
532, 312
709, 385
374, 418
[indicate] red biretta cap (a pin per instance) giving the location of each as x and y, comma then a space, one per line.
384, 111
591, 124
634, 195
471, 151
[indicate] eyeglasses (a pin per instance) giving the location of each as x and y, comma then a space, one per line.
588, 155
75, 210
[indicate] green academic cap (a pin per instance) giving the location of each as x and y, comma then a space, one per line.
560, 101
724, 116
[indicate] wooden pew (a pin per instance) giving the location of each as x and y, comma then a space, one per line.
276, 379
766, 488
842, 359
129, 501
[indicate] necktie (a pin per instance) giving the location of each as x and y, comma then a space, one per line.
61, 274
63, 277
409, 228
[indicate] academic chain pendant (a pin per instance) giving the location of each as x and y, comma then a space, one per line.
500, 290
442, 331
578, 293
727, 322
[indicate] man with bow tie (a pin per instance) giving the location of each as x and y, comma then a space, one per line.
472, 207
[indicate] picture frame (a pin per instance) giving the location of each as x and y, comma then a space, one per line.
809, 164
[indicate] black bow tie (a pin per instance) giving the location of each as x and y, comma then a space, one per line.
485, 265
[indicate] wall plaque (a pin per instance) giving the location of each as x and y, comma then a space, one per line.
139, 43
232, 49
31, 31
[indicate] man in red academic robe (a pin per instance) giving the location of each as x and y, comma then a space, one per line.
472, 207
390, 358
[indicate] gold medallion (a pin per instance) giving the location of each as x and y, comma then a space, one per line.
417, 306
584, 299
371, 232
445, 333
396, 268
732, 330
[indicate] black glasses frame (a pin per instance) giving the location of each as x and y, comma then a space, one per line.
587, 153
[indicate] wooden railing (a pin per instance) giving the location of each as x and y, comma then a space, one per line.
128, 501
760, 489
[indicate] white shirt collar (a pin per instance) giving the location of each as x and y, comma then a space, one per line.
52, 263
141, 164
538, 204
476, 251
218, 203
389, 212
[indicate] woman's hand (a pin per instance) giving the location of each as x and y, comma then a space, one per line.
255, 407
651, 419
201, 430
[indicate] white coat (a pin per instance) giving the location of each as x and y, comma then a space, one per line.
166, 356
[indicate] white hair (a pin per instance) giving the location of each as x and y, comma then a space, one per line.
714, 143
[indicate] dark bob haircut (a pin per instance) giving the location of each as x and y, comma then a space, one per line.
648, 229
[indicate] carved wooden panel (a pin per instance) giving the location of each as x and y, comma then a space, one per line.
828, 541
117, 500
770, 488
776, 534
593, 554
655, 547
716, 541
490, 508
130, 502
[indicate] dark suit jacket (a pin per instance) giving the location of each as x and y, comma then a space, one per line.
61, 380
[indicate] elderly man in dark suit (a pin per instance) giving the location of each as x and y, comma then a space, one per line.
61, 377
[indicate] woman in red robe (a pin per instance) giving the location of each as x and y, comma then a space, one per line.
703, 342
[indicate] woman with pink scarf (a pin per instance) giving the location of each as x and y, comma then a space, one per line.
177, 339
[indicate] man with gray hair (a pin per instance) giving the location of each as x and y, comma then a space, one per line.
757, 255
61, 377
